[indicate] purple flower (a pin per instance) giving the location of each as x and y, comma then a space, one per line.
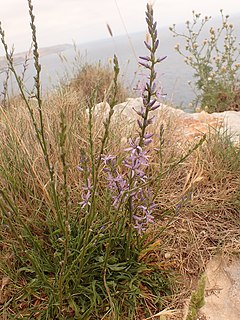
134, 146
147, 141
87, 195
147, 213
145, 58
151, 103
145, 65
109, 160
147, 138
139, 226
117, 183
144, 218
147, 45
137, 159
140, 124
156, 106
161, 59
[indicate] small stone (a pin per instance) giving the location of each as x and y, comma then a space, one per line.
167, 255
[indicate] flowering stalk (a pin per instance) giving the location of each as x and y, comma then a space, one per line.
138, 157
149, 93
126, 188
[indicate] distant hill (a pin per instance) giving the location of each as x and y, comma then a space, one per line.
19, 58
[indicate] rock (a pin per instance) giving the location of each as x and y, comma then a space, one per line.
222, 291
231, 120
190, 125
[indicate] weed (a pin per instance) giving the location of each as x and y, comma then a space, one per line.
214, 61
197, 300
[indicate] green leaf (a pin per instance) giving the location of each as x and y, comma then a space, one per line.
118, 266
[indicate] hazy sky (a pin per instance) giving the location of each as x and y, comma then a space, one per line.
62, 21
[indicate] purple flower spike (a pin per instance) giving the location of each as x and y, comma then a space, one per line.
127, 186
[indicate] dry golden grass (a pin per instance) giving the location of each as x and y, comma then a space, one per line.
96, 78
205, 224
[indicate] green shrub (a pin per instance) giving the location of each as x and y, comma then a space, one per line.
215, 62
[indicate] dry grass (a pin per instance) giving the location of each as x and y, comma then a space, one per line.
205, 224
96, 78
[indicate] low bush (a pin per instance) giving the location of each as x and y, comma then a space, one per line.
214, 60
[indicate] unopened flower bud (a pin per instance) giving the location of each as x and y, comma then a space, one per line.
212, 30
